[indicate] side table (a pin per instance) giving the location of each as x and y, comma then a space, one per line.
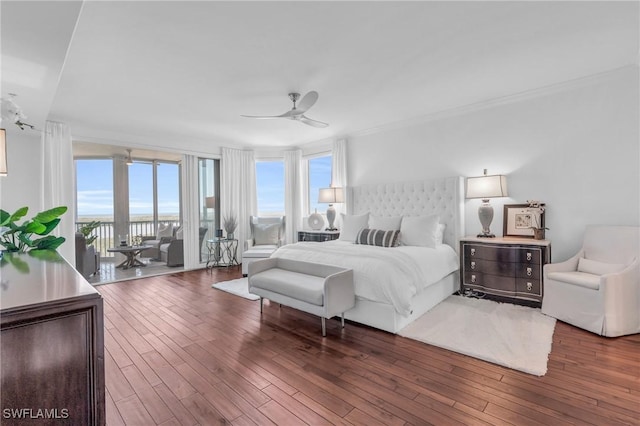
223, 252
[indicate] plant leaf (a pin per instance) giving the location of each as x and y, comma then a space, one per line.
48, 227
24, 238
4, 217
48, 243
19, 214
49, 215
35, 227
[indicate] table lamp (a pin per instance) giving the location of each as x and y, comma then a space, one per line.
331, 195
486, 187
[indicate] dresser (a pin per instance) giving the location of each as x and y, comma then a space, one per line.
318, 235
52, 352
504, 268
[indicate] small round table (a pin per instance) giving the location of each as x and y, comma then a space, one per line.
223, 252
131, 252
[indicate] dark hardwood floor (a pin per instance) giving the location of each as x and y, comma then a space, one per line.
181, 353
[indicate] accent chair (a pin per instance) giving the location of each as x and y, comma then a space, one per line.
598, 289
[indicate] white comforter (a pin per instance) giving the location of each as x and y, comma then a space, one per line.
387, 275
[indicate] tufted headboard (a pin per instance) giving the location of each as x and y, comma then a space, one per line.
443, 196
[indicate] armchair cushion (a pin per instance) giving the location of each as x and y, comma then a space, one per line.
581, 279
598, 268
266, 234
164, 231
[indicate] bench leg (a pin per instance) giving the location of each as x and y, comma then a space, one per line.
342, 319
324, 327
261, 299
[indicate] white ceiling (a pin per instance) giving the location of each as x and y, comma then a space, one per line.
180, 74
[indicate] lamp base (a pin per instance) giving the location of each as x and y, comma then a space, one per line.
483, 235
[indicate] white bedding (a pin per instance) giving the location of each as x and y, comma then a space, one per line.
387, 275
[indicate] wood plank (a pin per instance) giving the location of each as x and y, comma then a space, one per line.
180, 352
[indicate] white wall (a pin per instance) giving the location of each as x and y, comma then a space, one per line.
23, 184
575, 147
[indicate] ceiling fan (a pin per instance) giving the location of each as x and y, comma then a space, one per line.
297, 112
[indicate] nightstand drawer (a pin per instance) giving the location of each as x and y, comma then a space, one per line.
495, 254
506, 269
528, 271
531, 287
530, 256
494, 282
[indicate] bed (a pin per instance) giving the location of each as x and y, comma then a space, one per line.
396, 286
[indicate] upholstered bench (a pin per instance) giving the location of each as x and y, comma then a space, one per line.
322, 290
253, 254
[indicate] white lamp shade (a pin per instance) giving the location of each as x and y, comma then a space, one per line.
3, 152
210, 202
487, 186
331, 195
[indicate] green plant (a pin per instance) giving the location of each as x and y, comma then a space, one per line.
18, 238
87, 229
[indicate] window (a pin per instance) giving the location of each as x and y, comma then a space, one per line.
94, 190
319, 177
270, 187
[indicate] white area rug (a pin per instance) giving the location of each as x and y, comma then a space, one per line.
239, 287
513, 336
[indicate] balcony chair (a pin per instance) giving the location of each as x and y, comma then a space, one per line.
598, 289
172, 252
164, 234
266, 235
87, 261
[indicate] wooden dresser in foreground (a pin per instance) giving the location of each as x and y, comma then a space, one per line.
504, 268
51, 343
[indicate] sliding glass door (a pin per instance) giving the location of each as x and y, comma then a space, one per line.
209, 200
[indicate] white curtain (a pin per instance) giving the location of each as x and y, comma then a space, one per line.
292, 194
58, 184
190, 212
339, 173
238, 191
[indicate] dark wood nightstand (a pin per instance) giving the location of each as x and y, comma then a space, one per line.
318, 236
504, 268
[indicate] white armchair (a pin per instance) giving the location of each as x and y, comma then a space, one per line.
598, 289
266, 232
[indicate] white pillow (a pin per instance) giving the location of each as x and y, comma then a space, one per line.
179, 233
598, 268
385, 223
266, 233
164, 231
440, 233
419, 231
351, 225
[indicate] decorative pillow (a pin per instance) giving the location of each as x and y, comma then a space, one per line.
440, 233
164, 231
179, 233
378, 237
419, 231
266, 233
351, 225
385, 223
598, 268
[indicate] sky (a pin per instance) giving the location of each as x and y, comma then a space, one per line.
95, 187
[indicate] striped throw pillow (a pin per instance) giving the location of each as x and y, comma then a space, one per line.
377, 237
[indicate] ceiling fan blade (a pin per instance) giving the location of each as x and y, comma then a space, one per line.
314, 123
307, 101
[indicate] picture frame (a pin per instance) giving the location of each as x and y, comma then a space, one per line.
519, 219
